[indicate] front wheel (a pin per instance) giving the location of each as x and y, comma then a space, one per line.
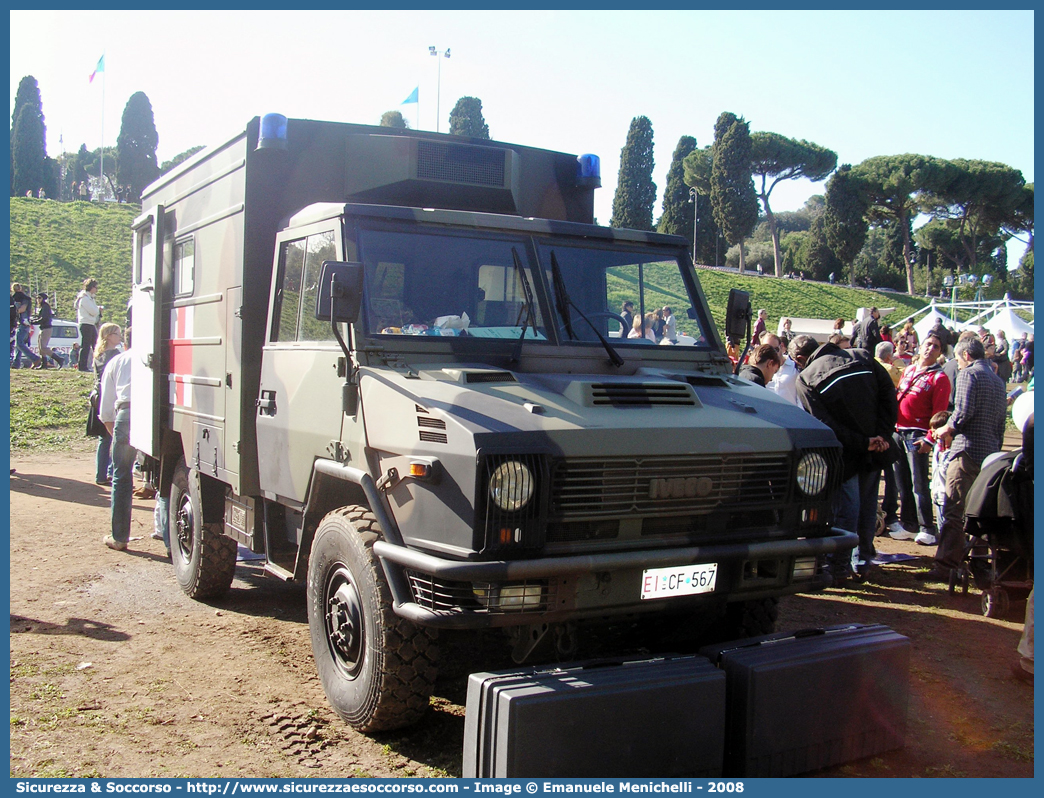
752, 618
204, 558
377, 669
995, 602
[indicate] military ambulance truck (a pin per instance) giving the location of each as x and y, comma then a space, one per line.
389, 361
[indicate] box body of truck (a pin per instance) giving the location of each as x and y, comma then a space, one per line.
484, 443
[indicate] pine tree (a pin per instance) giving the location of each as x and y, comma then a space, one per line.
678, 214
28, 139
733, 198
466, 119
136, 164
635, 189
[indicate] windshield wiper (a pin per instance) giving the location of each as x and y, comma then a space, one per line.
562, 302
528, 310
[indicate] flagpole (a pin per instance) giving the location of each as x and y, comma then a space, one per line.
103, 135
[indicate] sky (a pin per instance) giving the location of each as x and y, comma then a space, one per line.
952, 84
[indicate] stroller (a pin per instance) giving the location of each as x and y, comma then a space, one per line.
998, 522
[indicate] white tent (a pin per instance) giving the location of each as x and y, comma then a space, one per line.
925, 325
1012, 324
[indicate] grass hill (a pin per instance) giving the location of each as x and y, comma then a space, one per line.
56, 245
804, 299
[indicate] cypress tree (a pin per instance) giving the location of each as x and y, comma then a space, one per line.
635, 189
28, 139
678, 214
394, 119
466, 119
844, 222
733, 199
136, 164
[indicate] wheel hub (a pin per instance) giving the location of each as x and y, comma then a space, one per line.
343, 616
184, 527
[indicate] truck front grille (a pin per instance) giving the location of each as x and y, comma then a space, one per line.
603, 488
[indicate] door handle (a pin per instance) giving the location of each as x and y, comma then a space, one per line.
266, 405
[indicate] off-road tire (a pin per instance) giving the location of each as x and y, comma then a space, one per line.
377, 669
752, 618
204, 558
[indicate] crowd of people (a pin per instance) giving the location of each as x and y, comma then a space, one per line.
657, 326
27, 324
83, 191
103, 349
921, 415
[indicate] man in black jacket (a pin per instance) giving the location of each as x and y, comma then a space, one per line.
940, 332
852, 394
867, 334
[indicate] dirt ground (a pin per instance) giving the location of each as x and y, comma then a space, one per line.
116, 673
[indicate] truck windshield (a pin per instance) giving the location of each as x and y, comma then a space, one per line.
463, 284
448, 285
632, 296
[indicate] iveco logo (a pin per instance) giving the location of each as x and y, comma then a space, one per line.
680, 488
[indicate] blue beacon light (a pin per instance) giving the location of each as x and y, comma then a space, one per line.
588, 171
273, 132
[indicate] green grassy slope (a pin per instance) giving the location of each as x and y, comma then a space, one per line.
56, 245
803, 299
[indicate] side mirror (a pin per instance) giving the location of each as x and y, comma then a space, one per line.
737, 315
340, 291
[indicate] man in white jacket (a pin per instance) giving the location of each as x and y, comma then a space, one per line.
88, 314
784, 382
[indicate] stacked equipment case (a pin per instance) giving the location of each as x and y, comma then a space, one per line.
807, 700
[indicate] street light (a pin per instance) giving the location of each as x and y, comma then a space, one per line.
438, 91
693, 196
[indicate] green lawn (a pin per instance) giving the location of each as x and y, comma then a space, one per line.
49, 411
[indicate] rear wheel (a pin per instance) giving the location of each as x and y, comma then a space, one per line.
377, 669
204, 558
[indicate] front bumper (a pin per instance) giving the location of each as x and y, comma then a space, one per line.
440, 591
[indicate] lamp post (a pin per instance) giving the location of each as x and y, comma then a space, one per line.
693, 198
438, 90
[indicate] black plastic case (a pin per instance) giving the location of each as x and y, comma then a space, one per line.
798, 702
606, 718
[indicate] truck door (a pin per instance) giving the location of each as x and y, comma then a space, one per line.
146, 366
299, 401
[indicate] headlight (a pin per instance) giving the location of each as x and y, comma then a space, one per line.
511, 486
812, 474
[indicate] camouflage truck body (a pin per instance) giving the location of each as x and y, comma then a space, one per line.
509, 456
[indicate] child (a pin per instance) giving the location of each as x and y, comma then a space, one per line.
940, 462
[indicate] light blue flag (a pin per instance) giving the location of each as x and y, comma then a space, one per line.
412, 98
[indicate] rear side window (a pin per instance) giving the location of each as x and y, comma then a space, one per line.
294, 312
288, 297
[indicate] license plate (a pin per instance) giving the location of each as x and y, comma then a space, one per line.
681, 580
